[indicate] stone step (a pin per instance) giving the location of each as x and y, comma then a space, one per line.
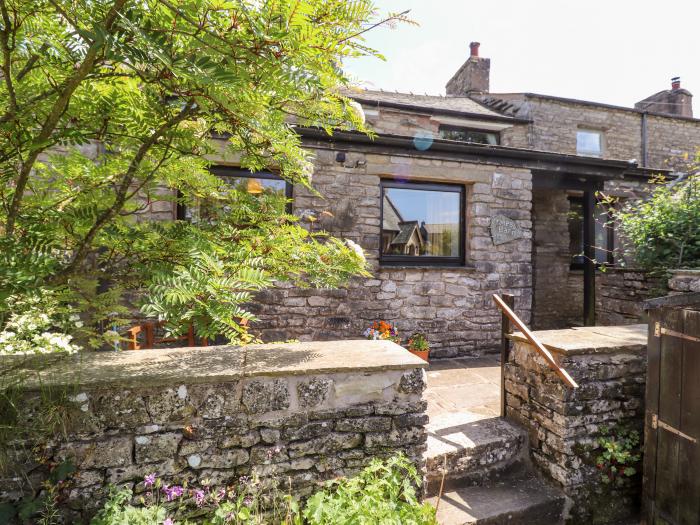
472, 449
523, 499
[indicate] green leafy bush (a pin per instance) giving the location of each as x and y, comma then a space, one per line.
663, 231
619, 454
383, 493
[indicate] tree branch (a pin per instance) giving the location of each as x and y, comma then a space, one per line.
7, 56
54, 116
122, 190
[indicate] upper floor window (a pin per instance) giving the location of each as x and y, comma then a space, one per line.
589, 142
259, 183
422, 224
469, 135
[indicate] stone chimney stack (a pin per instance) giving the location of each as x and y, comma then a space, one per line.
675, 101
472, 77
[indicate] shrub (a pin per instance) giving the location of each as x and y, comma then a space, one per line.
619, 456
663, 231
383, 493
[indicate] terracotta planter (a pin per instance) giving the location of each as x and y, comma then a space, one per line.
423, 354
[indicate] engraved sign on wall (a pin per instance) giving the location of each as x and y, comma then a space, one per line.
504, 230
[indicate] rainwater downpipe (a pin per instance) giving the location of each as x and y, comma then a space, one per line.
645, 149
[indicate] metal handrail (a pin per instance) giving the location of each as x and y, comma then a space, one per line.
546, 354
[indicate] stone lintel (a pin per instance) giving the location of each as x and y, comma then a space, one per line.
591, 339
214, 364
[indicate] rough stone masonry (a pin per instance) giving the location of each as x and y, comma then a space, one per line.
609, 365
293, 414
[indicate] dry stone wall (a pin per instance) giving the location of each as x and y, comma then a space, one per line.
563, 423
296, 413
620, 295
683, 281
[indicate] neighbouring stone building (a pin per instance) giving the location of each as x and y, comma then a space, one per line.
462, 196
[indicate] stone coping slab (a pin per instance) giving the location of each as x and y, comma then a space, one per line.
591, 339
214, 364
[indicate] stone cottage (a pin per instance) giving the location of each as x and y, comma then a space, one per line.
463, 196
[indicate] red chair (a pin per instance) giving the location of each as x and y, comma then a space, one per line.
151, 339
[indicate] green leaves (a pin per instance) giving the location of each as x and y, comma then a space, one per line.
95, 140
663, 231
619, 454
383, 493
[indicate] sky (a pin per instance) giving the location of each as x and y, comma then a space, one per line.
614, 51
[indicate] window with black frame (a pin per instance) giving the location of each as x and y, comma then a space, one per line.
474, 136
422, 223
259, 183
604, 242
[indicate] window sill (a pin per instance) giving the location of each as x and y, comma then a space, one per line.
444, 268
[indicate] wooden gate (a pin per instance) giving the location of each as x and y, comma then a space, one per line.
672, 425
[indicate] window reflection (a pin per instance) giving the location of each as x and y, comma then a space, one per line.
604, 242
273, 189
589, 143
421, 222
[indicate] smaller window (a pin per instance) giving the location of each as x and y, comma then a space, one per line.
469, 135
259, 183
589, 143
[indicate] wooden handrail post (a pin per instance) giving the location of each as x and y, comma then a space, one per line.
509, 299
546, 354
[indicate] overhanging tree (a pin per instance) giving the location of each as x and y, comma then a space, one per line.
105, 103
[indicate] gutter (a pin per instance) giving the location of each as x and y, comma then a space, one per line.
533, 159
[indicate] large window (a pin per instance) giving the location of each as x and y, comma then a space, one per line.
469, 135
422, 224
589, 143
604, 242
260, 183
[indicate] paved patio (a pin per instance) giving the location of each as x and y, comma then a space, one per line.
464, 385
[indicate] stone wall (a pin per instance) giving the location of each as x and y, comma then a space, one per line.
609, 364
452, 305
620, 293
682, 281
558, 290
555, 122
673, 142
301, 413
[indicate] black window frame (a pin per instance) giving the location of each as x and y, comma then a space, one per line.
425, 260
451, 127
609, 255
232, 171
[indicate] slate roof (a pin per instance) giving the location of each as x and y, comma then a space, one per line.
431, 102
503, 103
405, 232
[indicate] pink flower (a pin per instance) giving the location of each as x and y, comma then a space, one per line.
149, 480
172, 492
168, 522
199, 497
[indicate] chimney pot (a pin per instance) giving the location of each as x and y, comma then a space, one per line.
474, 49
676, 83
